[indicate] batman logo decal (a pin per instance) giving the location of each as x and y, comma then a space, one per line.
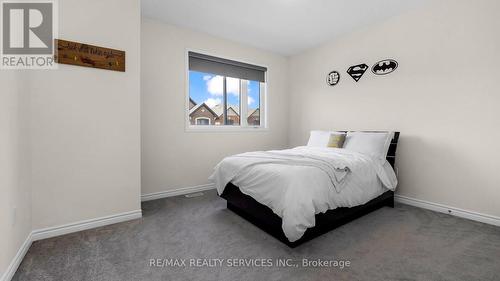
384, 67
356, 71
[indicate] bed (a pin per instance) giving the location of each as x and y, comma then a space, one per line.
303, 208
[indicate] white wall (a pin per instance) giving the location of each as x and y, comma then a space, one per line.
15, 193
86, 122
444, 98
172, 157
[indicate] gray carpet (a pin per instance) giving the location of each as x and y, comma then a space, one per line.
404, 243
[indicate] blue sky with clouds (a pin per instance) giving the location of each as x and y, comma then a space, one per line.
205, 87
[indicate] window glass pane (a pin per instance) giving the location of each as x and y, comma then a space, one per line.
233, 101
253, 118
205, 98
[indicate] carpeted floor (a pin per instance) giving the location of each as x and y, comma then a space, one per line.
404, 243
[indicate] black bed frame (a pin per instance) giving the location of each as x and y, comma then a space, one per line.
264, 218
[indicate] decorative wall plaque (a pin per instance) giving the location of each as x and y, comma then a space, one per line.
81, 54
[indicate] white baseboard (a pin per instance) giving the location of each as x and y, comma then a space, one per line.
84, 225
176, 192
475, 216
18, 258
49, 232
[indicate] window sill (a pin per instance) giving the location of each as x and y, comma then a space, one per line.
219, 129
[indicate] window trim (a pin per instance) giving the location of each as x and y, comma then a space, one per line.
264, 107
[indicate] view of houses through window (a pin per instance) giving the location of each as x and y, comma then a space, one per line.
218, 100
225, 93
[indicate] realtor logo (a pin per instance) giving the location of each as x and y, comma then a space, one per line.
28, 32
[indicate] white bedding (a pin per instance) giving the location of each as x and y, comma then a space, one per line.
301, 182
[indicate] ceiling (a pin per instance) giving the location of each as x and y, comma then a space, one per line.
285, 27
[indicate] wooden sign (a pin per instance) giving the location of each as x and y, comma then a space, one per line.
75, 53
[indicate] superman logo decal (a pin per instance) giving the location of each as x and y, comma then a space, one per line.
356, 71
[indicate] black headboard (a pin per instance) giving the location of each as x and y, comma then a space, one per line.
391, 153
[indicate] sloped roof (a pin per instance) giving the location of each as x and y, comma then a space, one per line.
218, 109
195, 108
255, 112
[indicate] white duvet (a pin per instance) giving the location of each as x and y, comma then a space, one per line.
301, 182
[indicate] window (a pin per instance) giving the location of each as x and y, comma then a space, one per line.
202, 121
224, 93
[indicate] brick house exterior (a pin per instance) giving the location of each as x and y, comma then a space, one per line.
233, 116
254, 117
202, 114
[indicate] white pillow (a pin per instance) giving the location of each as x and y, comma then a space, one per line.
319, 138
375, 144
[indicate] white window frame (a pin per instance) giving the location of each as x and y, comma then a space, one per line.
243, 126
202, 118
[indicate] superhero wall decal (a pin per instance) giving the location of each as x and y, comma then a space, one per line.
333, 78
382, 67
356, 71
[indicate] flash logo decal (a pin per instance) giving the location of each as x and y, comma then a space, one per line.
356, 71
384, 67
